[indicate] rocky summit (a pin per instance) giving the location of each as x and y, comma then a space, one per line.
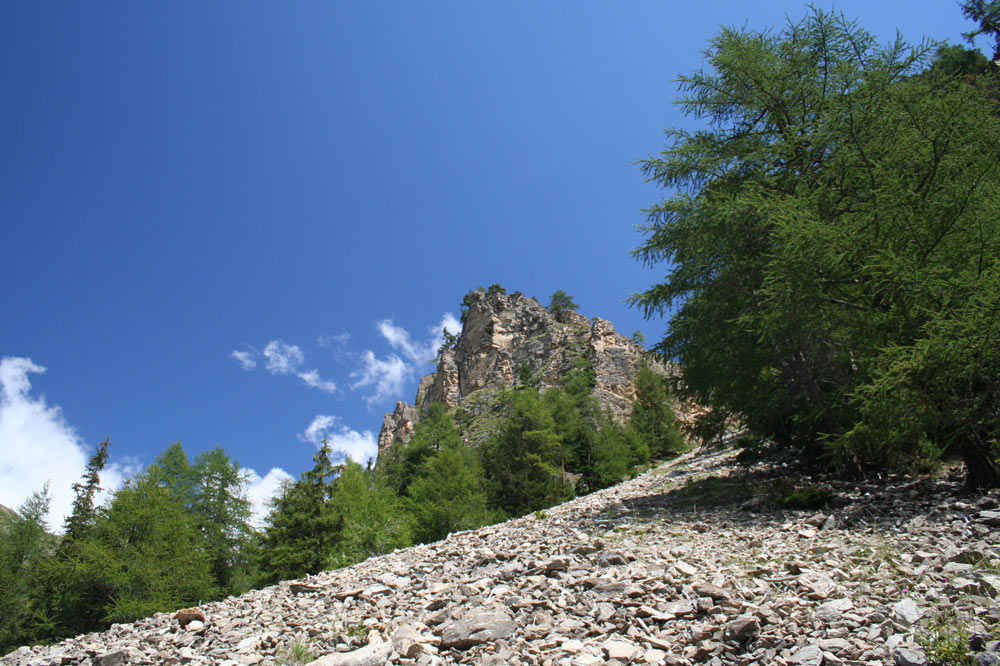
690, 563
505, 335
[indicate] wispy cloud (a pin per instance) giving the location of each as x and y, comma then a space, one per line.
39, 446
285, 359
387, 377
311, 378
338, 341
245, 359
417, 352
358, 446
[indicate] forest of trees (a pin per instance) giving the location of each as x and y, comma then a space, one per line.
831, 245
180, 533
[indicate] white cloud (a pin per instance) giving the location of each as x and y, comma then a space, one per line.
313, 380
358, 446
389, 376
417, 352
245, 358
333, 341
283, 359
386, 376
261, 490
317, 429
399, 338
448, 321
39, 446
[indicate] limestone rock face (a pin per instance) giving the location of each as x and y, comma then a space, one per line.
397, 425
504, 333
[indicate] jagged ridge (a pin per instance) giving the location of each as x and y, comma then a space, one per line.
502, 333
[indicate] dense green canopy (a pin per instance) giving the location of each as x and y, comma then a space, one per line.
831, 246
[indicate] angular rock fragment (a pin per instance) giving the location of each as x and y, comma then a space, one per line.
741, 629
373, 654
909, 655
475, 627
906, 612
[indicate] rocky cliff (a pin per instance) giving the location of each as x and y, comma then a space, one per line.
502, 335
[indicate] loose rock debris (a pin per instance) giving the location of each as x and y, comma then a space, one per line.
665, 569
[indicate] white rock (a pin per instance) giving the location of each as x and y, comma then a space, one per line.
906, 612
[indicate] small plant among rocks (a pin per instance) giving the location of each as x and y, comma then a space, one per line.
810, 497
945, 641
297, 653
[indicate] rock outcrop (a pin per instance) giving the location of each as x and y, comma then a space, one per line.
670, 568
503, 335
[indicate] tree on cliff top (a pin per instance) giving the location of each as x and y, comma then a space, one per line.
835, 222
561, 303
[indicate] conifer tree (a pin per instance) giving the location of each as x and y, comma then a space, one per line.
524, 465
373, 520
433, 432
24, 546
82, 515
653, 419
303, 526
447, 495
222, 512
561, 303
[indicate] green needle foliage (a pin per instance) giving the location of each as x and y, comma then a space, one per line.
24, 548
525, 466
561, 303
303, 526
83, 514
831, 228
447, 495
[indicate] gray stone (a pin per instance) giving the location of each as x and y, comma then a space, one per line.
810, 655
475, 627
611, 558
909, 655
906, 612
991, 518
709, 590
373, 654
116, 658
833, 610
743, 628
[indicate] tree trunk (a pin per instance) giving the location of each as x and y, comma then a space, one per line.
982, 471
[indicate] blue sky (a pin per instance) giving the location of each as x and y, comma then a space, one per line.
244, 224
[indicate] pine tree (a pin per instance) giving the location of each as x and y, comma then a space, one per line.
373, 518
24, 546
653, 419
447, 494
303, 526
222, 512
561, 303
524, 465
435, 431
142, 555
82, 516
